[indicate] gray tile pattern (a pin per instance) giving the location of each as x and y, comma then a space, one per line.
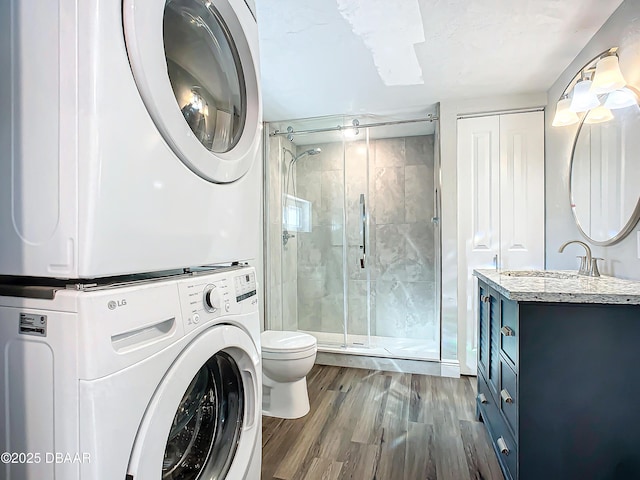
419, 150
390, 152
419, 193
308, 186
332, 198
358, 300
391, 309
419, 257
399, 176
389, 195
283, 260
390, 252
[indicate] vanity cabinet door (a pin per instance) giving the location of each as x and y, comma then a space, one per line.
509, 330
489, 336
493, 308
483, 329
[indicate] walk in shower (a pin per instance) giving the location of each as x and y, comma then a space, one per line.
352, 234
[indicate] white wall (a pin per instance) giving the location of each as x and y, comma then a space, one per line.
454, 326
621, 260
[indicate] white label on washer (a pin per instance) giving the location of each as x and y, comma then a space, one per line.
32, 324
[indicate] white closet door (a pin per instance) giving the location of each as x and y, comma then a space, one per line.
500, 207
478, 219
522, 191
479, 190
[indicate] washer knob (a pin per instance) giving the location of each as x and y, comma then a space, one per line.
212, 299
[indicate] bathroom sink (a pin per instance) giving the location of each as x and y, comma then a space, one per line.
540, 274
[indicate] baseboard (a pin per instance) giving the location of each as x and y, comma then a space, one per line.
450, 368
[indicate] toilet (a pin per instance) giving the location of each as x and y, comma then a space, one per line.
287, 357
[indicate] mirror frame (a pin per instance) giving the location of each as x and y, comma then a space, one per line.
628, 227
635, 216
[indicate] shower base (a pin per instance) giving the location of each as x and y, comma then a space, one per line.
385, 347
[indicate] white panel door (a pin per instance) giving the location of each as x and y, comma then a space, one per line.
500, 207
479, 189
522, 191
478, 218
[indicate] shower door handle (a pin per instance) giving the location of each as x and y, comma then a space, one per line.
363, 230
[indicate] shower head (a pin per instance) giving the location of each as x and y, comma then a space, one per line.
311, 151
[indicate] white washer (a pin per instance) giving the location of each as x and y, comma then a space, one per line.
129, 136
139, 381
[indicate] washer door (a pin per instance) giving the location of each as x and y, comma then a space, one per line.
203, 420
195, 66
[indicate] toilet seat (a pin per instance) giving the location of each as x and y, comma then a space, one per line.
278, 345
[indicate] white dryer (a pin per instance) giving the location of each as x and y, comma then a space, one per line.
146, 380
129, 136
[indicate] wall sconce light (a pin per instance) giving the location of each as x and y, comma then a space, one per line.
564, 116
596, 89
621, 99
608, 76
583, 98
599, 114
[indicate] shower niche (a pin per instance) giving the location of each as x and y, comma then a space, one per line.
353, 241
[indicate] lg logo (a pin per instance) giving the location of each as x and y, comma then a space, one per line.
115, 304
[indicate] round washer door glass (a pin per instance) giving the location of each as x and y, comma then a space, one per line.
194, 63
205, 431
205, 73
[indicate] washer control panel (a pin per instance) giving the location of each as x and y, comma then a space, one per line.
245, 286
205, 298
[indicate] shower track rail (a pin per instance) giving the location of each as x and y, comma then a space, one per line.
290, 131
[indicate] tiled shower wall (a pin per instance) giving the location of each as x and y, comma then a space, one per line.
282, 290
401, 239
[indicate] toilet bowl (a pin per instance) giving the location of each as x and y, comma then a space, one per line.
287, 357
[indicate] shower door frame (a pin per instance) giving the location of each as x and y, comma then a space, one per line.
345, 345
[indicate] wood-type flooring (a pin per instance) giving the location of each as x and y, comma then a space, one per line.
367, 425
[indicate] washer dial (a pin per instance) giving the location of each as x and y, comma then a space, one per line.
211, 298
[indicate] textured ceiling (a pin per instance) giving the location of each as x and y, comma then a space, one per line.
326, 57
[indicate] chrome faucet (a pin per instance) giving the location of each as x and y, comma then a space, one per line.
588, 265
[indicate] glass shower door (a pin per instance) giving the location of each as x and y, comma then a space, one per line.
392, 232
358, 237
319, 180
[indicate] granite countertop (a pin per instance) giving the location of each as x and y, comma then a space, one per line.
568, 287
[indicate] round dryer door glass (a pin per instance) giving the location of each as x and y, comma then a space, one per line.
205, 72
205, 431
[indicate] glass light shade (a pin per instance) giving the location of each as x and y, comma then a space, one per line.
608, 76
599, 115
563, 115
621, 99
583, 99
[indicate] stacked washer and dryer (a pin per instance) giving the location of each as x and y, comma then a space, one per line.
129, 208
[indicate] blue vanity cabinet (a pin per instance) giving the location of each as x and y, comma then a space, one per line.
558, 388
496, 379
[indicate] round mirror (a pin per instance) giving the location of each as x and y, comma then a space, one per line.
605, 176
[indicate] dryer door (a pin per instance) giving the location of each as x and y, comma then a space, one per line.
195, 66
203, 421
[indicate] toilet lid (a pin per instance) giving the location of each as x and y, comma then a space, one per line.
276, 341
